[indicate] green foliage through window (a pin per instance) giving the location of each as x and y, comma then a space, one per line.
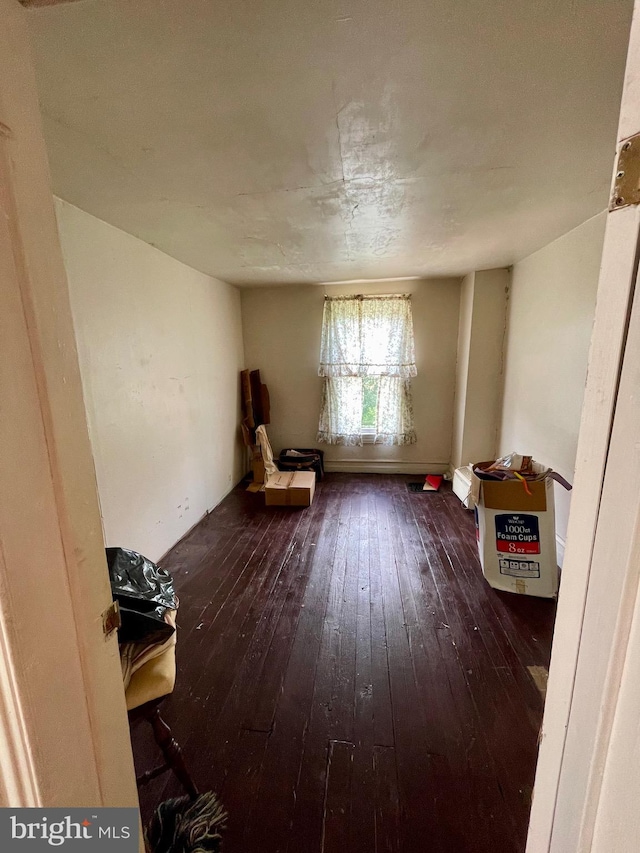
369, 400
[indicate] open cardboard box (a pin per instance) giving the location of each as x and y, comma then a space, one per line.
516, 534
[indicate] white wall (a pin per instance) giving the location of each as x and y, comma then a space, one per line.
462, 368
551, 312
160, 348
282, 328
481, 336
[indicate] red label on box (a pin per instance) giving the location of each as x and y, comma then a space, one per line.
517, 547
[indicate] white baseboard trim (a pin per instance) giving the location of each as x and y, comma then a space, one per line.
560, 546
384, 466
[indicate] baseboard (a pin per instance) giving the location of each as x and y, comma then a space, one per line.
196, 523
381, 466
560, 546
184, 536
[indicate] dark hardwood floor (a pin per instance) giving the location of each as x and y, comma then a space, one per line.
347, 680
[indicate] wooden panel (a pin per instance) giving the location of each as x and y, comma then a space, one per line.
336, 828
387, 801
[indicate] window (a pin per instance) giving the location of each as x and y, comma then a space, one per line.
367, 361
370, 387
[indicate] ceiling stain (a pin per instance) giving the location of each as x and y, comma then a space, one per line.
279, 142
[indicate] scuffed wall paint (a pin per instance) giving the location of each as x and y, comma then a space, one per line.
160, 348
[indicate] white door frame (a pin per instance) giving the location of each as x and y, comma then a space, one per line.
599, 578
64, 737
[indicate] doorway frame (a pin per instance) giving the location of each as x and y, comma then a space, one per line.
64, 735
598, 590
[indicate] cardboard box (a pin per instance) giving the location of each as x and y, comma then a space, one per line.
258, 468
517, 535
290, 488
257, 464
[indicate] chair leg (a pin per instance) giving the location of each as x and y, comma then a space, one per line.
171, 751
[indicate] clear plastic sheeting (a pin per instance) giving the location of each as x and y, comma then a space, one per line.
145, 593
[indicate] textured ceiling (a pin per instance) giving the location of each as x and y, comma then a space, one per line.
277, 141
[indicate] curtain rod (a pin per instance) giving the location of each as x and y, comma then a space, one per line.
371, 296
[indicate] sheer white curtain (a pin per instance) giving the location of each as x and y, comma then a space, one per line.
366, 336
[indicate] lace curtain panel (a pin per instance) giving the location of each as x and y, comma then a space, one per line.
367, 337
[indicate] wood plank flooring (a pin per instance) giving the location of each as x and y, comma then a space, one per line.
347, 680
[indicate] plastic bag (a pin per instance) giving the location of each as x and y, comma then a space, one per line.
512, 462
303, 459
144, 592
517, 467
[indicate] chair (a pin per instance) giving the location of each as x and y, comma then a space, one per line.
148, 688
